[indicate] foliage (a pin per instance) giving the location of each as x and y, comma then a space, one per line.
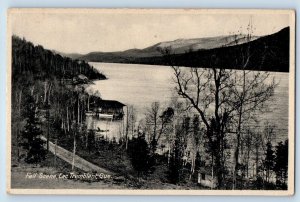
43, 63
91, 140
32, 142
175, 163
225, 99
178, 153
158, 124
269, 160
57, 87
281, 162
139, 154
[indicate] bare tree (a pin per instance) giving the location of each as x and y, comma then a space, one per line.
207, 93
250, 93
158, 122
225, 99
130, 123
152, 119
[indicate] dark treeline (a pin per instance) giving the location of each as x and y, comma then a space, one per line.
270, 53
27, 58
56, 89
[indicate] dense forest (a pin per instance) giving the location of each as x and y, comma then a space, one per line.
48, 97
43, 63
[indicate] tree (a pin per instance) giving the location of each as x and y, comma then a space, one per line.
250, 91
131, 118
269, 160
281, 162
196, 141
152, 119
139, 154
33, 143
247, 143
224, 99
206, 89
179, 150
175, 162
91, 140
157, 122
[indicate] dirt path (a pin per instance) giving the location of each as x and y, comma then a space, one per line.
79, 162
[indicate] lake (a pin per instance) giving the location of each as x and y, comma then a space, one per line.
141, 85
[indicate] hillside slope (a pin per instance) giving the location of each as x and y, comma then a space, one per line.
178, 46
268, 53
42, 63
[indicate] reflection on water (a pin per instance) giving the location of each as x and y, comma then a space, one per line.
140, 85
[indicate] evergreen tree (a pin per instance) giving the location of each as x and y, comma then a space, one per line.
198, 161
281, 162
139, 154
269, 160
91, 140
33, 144
179, 147
175, 164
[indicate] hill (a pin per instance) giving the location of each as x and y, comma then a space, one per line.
268, 53
178, 46
42, 63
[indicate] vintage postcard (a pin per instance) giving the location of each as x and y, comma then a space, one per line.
151, 101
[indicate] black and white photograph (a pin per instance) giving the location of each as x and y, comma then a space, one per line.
151, 101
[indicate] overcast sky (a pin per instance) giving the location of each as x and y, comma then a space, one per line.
91, 30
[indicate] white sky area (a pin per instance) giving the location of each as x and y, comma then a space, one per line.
84, 32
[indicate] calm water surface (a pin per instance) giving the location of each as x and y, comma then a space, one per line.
141, 85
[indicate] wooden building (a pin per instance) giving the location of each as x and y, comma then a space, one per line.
110, 109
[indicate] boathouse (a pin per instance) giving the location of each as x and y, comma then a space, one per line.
111, 109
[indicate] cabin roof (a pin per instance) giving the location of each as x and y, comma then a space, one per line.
108, 103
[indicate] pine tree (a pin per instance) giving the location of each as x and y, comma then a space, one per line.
175, 163
32, 142
139, 154
281, 162
269, 160
179, 148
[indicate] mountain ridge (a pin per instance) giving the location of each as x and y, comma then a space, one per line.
270, 52
177, 45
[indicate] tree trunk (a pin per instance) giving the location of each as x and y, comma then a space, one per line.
68, 122
48, 127
236, 156
236, 153
218, 170
256, 160
88, 104
126, 132
19, 125
74, 151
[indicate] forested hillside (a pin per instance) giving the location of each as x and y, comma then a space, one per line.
269, 53
48, 98
43, 63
